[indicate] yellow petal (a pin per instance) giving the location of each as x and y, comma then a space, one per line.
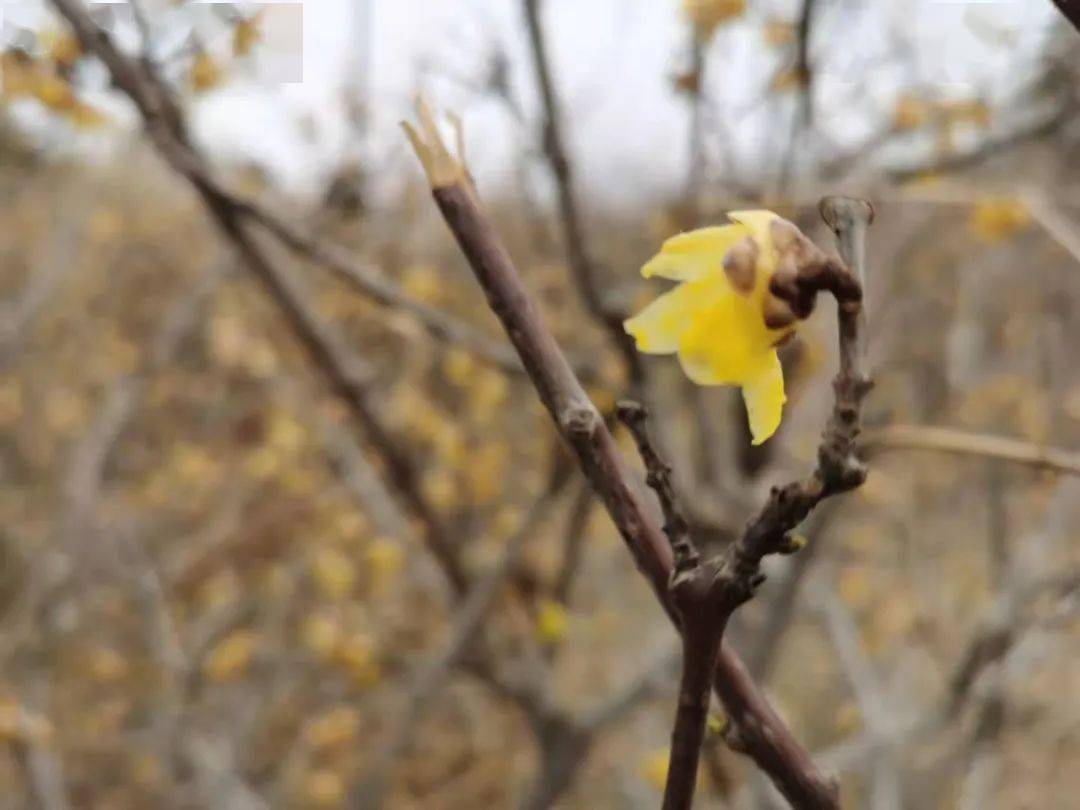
658, 327
764, 396
758, 223
722, 339
694, 254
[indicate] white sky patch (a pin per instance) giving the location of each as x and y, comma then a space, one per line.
613, 61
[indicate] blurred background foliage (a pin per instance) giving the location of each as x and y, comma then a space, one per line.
210, 597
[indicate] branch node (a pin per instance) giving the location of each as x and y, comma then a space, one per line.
579, 420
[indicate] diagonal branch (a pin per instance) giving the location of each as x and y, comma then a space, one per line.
761, 731
164, 121
1071, 10
348, 377
962, 443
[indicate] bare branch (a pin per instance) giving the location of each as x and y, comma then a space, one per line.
349, 378
658, 477
948, 440
1071, 10
369, 281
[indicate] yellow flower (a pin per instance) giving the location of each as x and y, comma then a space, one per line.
232, 656
551, 622
653, 767
722, 319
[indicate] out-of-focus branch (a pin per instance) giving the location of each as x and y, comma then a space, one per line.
581, 426
767, 637
582, 264
991, 148
958, 442
350, 380
1006, 622
573, 544
165, 123
1071, 10
369, 281
804, 75
468, 623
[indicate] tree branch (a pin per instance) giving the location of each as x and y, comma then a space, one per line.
1071, 10
350, 379
958, 442
765, 736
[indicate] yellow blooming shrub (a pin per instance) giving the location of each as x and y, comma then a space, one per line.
722, 320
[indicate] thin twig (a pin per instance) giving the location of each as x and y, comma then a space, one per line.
658, 477
369, 281
1071, 10
958, 442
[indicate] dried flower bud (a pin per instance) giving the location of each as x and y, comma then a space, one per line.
778, 312
740, 264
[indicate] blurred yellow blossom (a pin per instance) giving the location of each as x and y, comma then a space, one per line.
459, 367
721, 320
324, 788
787, 79
995, 220
205, 73
507, 521
332, 729
106, 665
708, 15
385, 559
552, 621
654, 767
11, 401
62, 47
246, 34
357, 655
778, 33
322, 634
333, 572
421, 281
19, 723
232, 656
911, 112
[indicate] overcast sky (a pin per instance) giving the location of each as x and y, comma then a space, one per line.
613, 61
